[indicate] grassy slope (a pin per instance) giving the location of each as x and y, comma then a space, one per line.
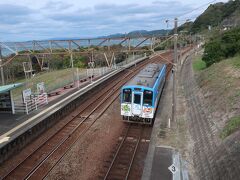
52, 80
198, 64
221, 86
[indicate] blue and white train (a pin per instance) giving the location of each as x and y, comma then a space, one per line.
140, 96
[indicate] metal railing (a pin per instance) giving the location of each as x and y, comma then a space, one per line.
33, 102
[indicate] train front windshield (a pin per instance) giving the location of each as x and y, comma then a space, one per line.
147, 98
137, 99
127, 95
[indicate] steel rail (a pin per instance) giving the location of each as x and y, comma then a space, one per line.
84, 131
118, 150
116, 154
66, 137
69, 134
134, 153
52, 136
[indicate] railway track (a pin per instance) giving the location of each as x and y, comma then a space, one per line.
41, 159
123, 159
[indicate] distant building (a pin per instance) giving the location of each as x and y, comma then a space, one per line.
230, 23
209, 27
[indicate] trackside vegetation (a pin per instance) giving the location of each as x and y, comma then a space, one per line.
222, 46
220, 86
232, 126
199, 64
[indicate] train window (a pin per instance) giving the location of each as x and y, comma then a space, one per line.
127, 95
137, 99
147, 97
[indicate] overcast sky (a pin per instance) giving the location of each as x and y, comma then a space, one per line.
22, 20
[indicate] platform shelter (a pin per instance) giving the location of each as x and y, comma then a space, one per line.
6, 98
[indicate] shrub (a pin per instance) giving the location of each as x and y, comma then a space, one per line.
221, 47
212, 52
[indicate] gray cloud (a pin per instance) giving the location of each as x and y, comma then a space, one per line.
124, 15
58, 18
113, 10
12, 14
14, 10
56, 5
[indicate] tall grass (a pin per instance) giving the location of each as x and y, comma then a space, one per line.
232, 126
236, 62
198, 64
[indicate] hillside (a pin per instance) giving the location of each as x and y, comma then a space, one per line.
139, 33
216, 15
218, 88
221, 88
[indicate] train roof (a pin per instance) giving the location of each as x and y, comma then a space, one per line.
147, 76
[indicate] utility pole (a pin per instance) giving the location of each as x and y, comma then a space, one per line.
71, 59
72, 66
1, 67
174, 70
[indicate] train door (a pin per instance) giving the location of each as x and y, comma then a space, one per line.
137, 99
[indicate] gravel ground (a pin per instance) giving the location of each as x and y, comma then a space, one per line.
85, 159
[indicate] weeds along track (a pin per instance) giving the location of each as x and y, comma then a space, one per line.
41, 159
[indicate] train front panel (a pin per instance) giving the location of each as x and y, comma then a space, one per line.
126, 102
137, 102
148, 108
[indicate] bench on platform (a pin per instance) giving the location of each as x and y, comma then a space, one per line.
83, 80
68, 86
54, 93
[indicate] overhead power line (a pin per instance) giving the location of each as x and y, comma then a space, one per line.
197, 8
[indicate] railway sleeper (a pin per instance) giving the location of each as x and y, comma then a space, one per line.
118, 172
116, 178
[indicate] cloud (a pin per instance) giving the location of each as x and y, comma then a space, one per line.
113, 12
114, 15
56, 18
56, 5
14, 9
12, 14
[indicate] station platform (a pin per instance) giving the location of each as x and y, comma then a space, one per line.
161, 159
14, 129
9, 121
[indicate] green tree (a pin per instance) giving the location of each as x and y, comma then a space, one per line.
222, 46
212, 52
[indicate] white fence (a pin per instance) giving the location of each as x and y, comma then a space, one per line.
33, 102
99, 71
